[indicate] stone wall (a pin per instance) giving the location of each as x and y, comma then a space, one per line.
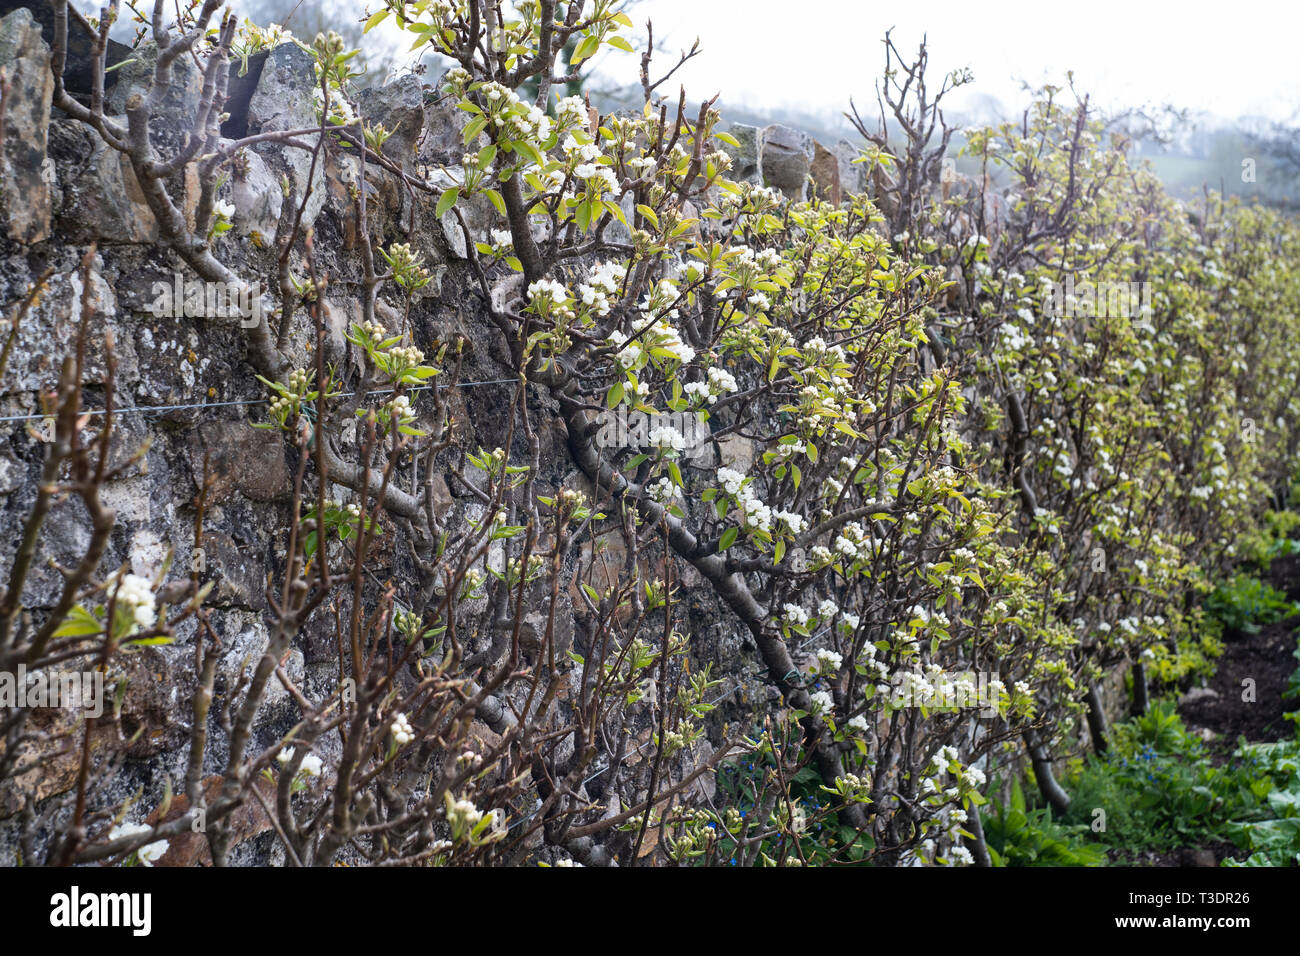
62, 190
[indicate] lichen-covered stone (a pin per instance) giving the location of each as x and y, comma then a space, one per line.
26, 173
786, 156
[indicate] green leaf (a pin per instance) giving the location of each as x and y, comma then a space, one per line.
728, 538
447, 200
375, 20
589, 45
530, 152
151, 641
476, 126
79, 623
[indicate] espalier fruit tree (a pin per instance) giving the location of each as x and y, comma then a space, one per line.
959, 448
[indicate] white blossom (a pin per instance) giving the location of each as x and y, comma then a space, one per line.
146, 854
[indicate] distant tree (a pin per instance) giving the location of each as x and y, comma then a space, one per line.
1280, 142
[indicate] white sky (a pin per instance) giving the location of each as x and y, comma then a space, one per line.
1228, 59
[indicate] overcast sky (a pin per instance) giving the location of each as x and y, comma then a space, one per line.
1228, 59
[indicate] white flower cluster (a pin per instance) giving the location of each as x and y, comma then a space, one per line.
762, 260
603, 283
581, 152
463, 815
828, 661
960, 856
274, 34
730, 480
351, 510
400, 411
515, 119
795, 615
821, 702
854, 543
720, 382
667, 438
148, 853
602, 177
663, 491
135, 596
469, 759
341, 112
571, 111
548, 291
533, 123
659, 336
944, 757
401, 358
756, 515
630, 352
794, 521
816, 348
458, 76
311, 765
664, 336
401, 730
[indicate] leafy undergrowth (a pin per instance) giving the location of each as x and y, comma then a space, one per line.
1246, 604
1155, 791
1274, 841
1021, 835
1162, 794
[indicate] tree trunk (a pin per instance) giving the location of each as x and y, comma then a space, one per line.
978, 848
1140, 699
1097, 720
1052, 791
